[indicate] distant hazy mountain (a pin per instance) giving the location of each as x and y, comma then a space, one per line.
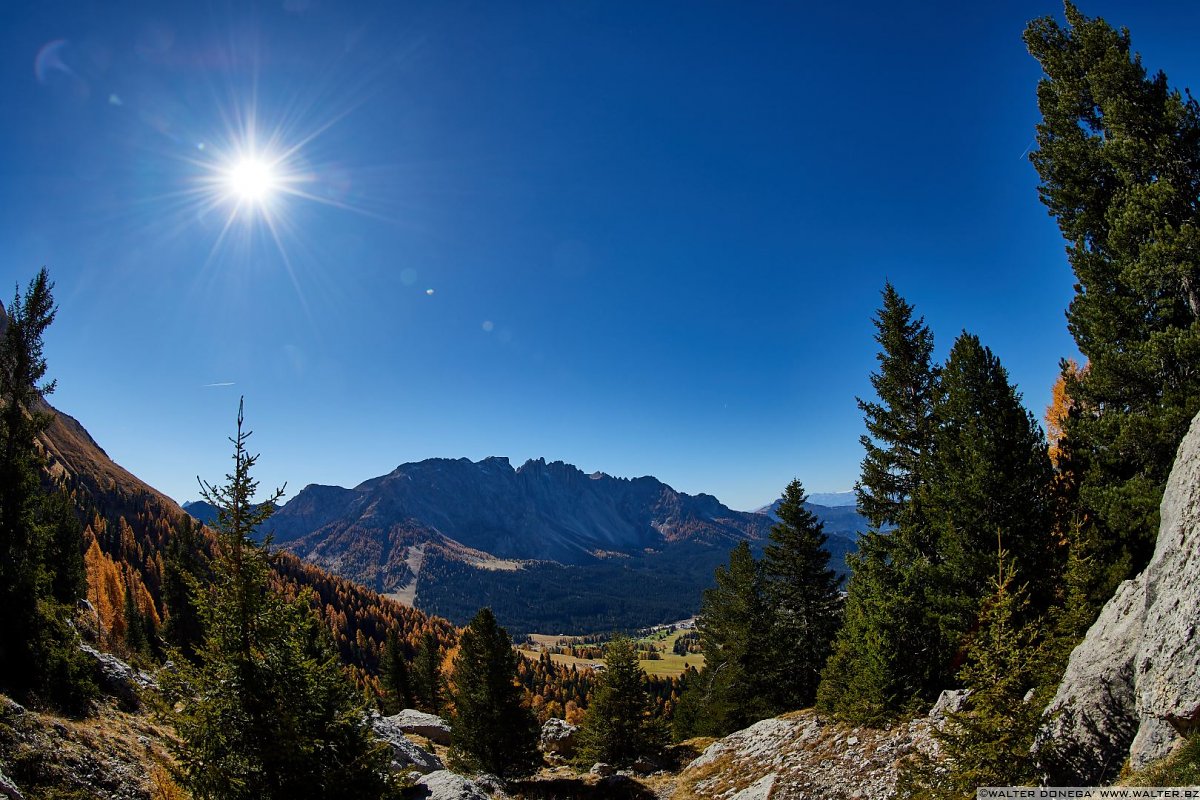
546, 545
833, 499
839, 520
201, 511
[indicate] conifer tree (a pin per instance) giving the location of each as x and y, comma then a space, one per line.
989, 475
803, 593
491, 729
734, 615
186, 569
1119, 160
619, 725
394, 677
880, 660
988, 741
900, 423
428, 684
38, 652
268, 712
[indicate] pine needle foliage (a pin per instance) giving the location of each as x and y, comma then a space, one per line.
268, 711
619, 726
1118, 155
491, 729
988, 741
41, 573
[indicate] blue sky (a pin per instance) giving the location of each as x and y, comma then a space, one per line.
644, 238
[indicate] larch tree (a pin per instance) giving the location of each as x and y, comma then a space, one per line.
268, 712
491, 729
1118, 155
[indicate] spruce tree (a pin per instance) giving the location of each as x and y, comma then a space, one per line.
1119, 161
491, 729
734, 616
900, 422
881, 660
394, 677
428, 684
268, 712
803, 593
38, 648
619, 725
988, 741
186, 568
989, 476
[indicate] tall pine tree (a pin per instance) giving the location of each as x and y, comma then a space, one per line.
803, 593
1119, 160
619, 726
38, 652
491, 729
268, 712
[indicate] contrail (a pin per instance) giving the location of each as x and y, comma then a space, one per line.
222, 383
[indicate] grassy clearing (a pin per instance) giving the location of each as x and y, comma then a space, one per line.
668, 664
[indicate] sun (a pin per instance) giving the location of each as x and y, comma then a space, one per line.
252, 179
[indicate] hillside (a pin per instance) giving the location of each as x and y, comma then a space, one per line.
131, 524
547, 546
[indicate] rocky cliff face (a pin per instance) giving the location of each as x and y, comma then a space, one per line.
542, 511
1132, 688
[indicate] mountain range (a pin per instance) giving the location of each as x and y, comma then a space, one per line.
549, 547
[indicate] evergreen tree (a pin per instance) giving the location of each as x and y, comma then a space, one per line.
880, 658
186, 569
619, 726
734, 616
394, 677
268, 712
428, 684
1119, 160
988, 741
38, 652
989, 475
900, 423
803, 593
491, 730
877, 666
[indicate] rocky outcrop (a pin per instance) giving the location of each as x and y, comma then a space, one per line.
418, 723
558, 738
445, 785
804, 754
8, 789
406, 756
1132, 687
118, 679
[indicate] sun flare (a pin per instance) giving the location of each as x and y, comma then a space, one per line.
252, 180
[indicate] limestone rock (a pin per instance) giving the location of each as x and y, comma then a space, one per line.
432, 727
804, 755
445, 785
405, 754
119, 679
602, 770
1132, 687
558, 737
8, 789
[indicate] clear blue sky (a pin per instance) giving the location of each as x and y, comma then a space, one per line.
655, 233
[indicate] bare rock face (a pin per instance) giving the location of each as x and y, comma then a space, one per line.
119, 679
558, 737
445, 785
1132, 687
406, 756
418, 723
804, 755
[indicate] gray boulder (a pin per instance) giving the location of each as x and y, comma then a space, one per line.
1132, 687
418, 723
8, 789
406, 756
119, 679
445, 785
558, 737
